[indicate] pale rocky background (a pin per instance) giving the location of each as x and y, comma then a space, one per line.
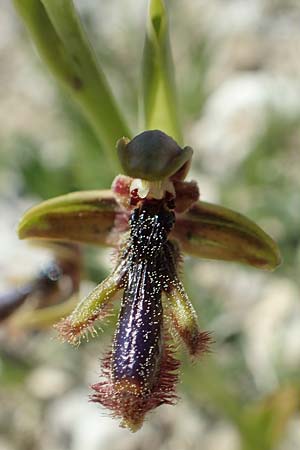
238, 74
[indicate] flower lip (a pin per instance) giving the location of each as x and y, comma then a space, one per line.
152, 155
140, 372
150, 226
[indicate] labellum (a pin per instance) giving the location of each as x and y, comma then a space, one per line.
150, 216
140, 372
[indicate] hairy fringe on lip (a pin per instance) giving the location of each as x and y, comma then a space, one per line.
128, 400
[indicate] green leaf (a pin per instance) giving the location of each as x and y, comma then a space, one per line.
159, 97
207, 383
62, 44
213, 232
264, 423
87, 216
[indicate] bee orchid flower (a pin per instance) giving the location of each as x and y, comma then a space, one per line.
151, 216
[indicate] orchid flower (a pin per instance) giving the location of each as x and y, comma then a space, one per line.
151, 216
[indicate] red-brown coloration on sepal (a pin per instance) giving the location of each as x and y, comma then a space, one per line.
128, 400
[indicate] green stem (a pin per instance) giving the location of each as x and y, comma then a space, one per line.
160, 109
62, 44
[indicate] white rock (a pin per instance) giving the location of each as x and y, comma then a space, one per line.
223, 436
263, 330
86, 425
236, 114
47, 382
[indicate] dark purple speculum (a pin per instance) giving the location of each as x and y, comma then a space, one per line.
137, 345
140, 372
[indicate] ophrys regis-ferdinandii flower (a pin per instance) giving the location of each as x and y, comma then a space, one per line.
150, 216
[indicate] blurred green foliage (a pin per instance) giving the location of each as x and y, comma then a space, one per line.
267, 181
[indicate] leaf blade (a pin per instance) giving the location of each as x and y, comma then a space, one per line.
62, 44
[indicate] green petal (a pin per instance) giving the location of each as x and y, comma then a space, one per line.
95, 306
86, 216
184, 319
213, 232
159, 96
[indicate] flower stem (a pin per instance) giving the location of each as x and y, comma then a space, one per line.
57, 33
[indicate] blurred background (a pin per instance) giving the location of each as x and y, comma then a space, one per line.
238, 76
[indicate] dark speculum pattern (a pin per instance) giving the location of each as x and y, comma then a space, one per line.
140, 369
150, 226
137, 344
